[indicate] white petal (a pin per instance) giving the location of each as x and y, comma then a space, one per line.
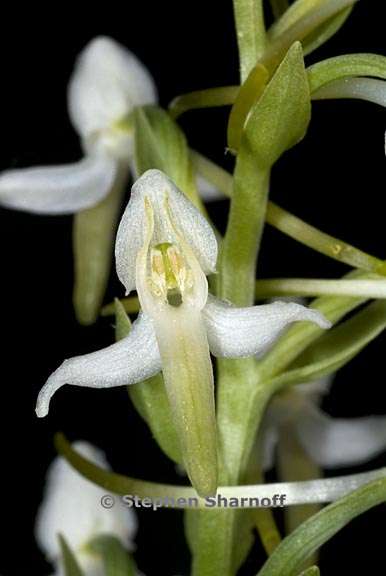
370, 89
58, 189
339, 442
108, 81
207, 190
71, 506
156, 186
128, 361
237, 332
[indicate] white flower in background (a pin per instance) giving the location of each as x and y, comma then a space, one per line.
107, 83
330, 442
72, 507
164, 249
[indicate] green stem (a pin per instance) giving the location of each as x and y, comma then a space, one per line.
294, 464
279, 7
267, 529
340, 67
209, 98
298, 10
251, 36
292, 225
320, 241
305, 287
130, 304
238, 391
329, 490
263, 518
242, 239
300, 30
212, 172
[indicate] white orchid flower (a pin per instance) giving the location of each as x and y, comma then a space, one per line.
164, 250
329, 442
107, 83
72, 507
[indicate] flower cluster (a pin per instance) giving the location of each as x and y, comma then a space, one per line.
196, 293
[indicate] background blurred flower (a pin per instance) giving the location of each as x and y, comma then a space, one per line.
72, 507
107, 83
329, 442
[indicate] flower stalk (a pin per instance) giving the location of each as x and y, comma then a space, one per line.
327, 490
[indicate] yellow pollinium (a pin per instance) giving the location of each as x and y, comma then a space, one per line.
168, 273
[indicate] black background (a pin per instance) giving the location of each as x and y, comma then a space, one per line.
333, 179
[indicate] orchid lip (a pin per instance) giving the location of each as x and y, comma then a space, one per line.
172, 290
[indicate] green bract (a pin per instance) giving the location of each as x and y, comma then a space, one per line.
93, 241
280, 118
70, 563
159, 143
116, 561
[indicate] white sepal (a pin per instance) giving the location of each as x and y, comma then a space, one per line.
107, 82
340, 442
128, 361
191, 225
58, 189
72, 507
237, 332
